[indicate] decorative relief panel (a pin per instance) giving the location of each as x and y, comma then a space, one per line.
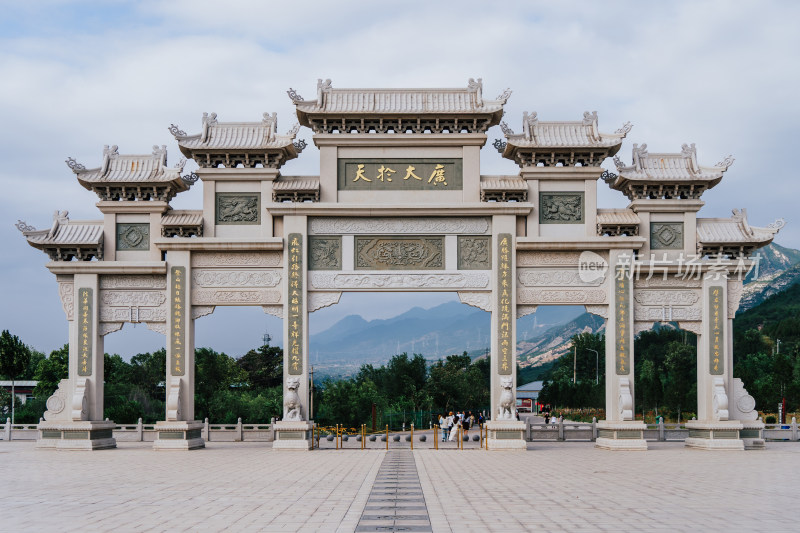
399, 253
667, 297
235, 278
666, 314
124, 298
532, 259
236, 208
67, 294
325, 253
240, 259
318, 300
658, 281
481, 300
133, 314
133, 282
231, 297
554, 277
324, 280
666, 235
427, 225
474, 252
133, 236
586, 296
561, 208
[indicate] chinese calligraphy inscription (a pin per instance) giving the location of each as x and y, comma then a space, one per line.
85, 320
177, 332
296, 280
622, 298
400, 174
716, 331
505, 318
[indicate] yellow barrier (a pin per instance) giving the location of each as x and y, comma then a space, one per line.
412, 436
387, 437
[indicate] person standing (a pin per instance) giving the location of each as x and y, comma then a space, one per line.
443, 427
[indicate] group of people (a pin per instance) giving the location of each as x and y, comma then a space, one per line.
451, 423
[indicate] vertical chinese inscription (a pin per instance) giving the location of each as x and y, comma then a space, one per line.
504, 289
622, 294
85, 332
716, 364
295, 304
179, 314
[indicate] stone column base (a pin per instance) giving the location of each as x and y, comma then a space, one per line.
293, 435
752, 434
82, 435
622, 435
505, 435
714, 435
179, 435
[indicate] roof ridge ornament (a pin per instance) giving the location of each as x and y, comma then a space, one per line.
176, 131
292, 132
271, 122
190, 179
23, 226
296, 98
74, 165
504, 96
726, 163
506, 129
477, 88
499, 145
589, 118
59, 217
208, 121
180, 164
688, 151
639, 153
529, 122
323, 87
300, 145
625, 129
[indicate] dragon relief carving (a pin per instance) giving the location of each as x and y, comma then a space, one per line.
533, 259
588, 296
426, 225
399, 253
324, 280
245, 297
242, 259
236, 278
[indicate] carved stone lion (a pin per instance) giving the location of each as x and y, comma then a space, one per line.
292, 408
506, 408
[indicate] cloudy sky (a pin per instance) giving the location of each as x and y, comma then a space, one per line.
76, 75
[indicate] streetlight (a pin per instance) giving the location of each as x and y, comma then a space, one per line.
596, 366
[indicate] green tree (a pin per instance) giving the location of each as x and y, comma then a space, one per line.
263, 367
681, 377
14, 359
50, 371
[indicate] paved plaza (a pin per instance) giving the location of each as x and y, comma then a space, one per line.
250, 487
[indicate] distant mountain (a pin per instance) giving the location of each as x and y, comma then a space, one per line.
778, 268
555, 342
450, 328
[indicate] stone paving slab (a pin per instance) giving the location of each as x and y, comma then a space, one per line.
250, 487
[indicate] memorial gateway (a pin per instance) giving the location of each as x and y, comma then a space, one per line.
400, 204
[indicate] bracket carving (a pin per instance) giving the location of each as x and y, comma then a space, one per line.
481, 300
79, 400
524, 310
744, 405
599, 310
104, 328
318, 300
57, 403
202, 310
158, 327
735, 289
719, 401
66, 290
174, 400
694, 327
625, 399
274, 310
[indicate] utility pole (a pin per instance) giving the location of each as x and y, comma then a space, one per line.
574, 363
311, 393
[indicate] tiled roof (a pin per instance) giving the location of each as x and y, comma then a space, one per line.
735, 230
564, 134
182, 218
670, 167
468, 100
117, 168
67, 233
617, 217
235, 135
296, 184
503, 183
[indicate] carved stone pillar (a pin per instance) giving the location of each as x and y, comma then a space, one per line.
714, 429
505, 432
293, 432
179, 430
620, 430
74, 417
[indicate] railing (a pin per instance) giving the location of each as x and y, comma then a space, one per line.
561, 431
